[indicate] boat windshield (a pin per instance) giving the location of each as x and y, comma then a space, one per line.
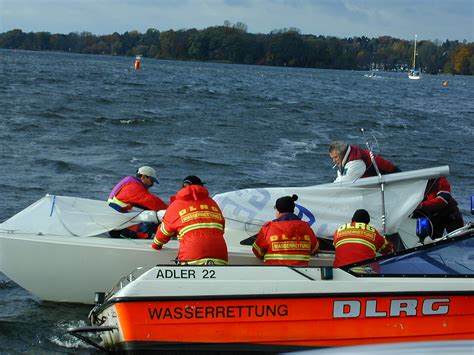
446, 258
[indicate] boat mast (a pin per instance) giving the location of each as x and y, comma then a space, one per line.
414, 56
381, 182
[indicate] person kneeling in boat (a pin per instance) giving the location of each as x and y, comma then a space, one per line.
197, 221
354, 162
132, 191
286, 240
440, 208
358, 240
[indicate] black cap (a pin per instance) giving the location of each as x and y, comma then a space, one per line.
192, 180
361, 216
286, 203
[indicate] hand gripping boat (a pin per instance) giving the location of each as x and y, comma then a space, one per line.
420, 294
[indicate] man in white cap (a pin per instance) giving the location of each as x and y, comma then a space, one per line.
132, 191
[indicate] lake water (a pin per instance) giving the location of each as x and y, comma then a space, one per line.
76, 124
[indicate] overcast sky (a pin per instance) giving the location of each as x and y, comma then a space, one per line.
429, 19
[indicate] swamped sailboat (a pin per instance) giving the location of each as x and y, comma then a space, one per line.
58, 248
421, 294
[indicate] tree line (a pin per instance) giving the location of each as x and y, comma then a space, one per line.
231, 43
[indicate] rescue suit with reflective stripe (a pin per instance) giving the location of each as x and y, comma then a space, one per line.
357, 164
440, 207
358, 241
131, 192
197, 221
287, 240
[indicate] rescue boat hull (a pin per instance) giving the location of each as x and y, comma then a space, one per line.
420, 294
291, 322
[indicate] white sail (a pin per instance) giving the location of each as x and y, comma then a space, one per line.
327, 206
72, 216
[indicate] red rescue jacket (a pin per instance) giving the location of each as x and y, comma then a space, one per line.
384, 165
197, 221
130, 192
286, 240
438, 199
358, 241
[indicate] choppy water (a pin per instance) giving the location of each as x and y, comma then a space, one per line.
76, 124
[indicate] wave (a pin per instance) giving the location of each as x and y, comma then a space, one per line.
63, 339
58, 165
7, 285
197, 162
138, 120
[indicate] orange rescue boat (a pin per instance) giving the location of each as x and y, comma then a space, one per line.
420, 294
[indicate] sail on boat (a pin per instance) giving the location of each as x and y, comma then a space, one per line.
414, 73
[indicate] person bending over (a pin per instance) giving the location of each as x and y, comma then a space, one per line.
132, 191
286, 240
440, 208
197, 221
358, 240
353, 162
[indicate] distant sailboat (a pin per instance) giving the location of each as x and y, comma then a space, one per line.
414, 73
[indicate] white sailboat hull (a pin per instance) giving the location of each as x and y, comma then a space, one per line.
59, 269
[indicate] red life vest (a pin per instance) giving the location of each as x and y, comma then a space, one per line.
385, 166
358, 241
197, 221
285, 241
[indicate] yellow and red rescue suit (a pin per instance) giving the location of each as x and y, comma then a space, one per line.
131, 192
358, 241
286, 240
197, 221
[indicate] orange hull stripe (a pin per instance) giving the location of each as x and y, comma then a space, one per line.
304, 322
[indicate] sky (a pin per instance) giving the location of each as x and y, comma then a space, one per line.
428, 19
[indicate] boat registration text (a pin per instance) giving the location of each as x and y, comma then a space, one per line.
185, 274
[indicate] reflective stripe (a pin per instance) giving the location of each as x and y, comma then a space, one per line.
385, 245
204, 261
118, 202
362, 270
355, 240
257, 248
157, 242
164, 231
199, 226
299, 257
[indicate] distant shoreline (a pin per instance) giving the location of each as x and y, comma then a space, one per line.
233, 45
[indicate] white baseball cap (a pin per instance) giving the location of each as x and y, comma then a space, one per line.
148, 171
